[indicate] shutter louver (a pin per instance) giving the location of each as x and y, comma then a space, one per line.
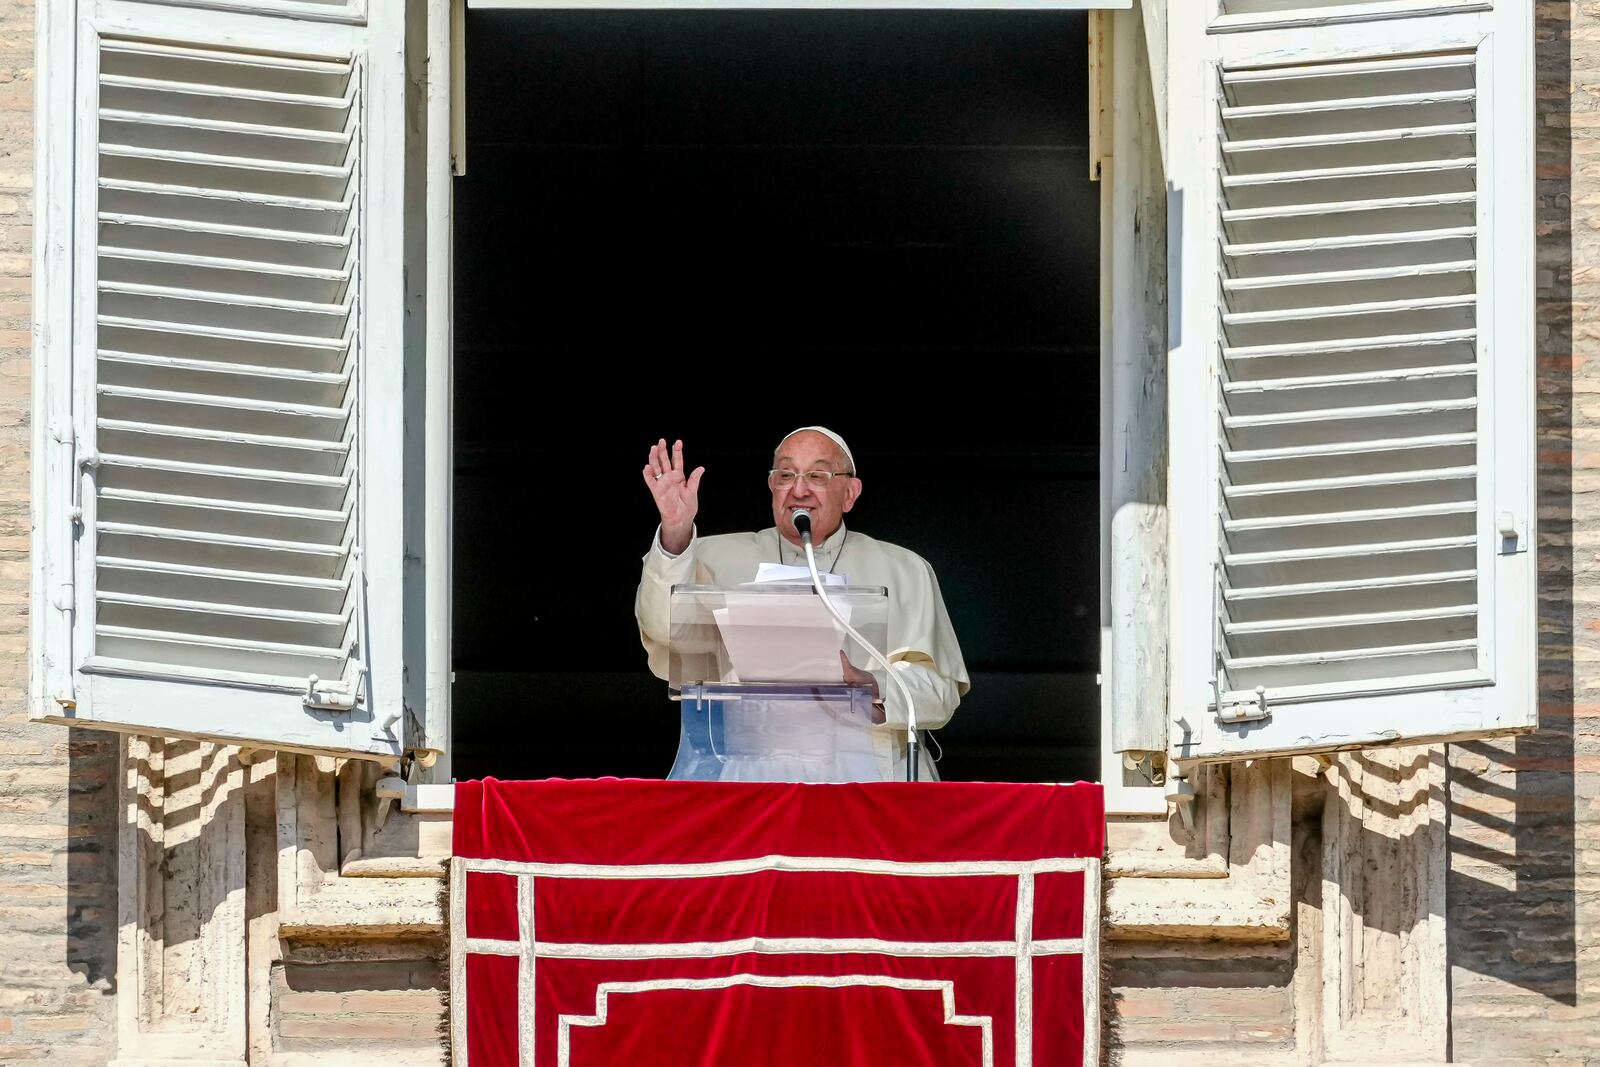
1348, 377
1247, 13
1351, 374
1256, 7
225, 361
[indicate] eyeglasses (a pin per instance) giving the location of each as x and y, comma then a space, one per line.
783, 479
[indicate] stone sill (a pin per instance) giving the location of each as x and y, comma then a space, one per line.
356, 865
405, 1056
429, 799
1173, 909
355, 918
367, 907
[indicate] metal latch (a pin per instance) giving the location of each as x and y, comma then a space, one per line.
1513, 539
1229, 711
1246, 710
329, 696
88, 467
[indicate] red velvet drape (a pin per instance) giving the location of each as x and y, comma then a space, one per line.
690, 924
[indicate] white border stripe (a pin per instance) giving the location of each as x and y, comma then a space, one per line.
792, 946
1057, 946
945, 988
527, 961
459, 947
484, 946
1091, 964
722, 868
1023, 949
1024, 966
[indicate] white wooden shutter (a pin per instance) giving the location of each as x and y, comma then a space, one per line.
219, 528
1260, 14
1352, 373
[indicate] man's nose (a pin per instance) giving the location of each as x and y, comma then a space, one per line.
802, 488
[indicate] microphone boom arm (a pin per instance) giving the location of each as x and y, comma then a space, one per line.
802, 524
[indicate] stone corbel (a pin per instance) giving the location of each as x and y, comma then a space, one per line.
1367, 888
181, 906
377, 838
1229, 879
329, 884
1371, 969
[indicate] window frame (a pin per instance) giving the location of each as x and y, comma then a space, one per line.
445, 157
1120, 141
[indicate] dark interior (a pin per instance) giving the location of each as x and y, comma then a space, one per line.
722, 225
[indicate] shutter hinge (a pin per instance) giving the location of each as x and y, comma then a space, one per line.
389, 790
329, 696
1513, 539
388, 721
1243, 710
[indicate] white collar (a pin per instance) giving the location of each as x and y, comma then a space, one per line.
827, 553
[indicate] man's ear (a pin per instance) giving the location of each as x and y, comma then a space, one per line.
852, 494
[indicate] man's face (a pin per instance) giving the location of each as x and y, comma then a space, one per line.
811, 451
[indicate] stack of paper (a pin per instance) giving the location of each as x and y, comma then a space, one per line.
782, 572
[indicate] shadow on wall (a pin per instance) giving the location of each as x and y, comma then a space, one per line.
1513, 803
91, 920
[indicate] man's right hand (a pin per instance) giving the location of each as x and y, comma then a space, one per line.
677, 494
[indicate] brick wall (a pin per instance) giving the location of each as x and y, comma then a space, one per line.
1201, 996
57, 798
1524, 888
385, 995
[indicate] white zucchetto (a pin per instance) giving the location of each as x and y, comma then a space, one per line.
830, 435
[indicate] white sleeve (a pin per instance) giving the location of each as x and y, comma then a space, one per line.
932, 694
653, 605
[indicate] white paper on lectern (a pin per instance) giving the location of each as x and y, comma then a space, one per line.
782, 572
788, 639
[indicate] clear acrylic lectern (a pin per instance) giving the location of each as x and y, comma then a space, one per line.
763, 693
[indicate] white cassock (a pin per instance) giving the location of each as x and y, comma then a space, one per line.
922, 646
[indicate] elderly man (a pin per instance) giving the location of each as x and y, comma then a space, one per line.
812, 469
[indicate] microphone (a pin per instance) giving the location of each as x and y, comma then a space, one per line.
802, 524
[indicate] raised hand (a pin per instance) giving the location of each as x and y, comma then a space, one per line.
676, 492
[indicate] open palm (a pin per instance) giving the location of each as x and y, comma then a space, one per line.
676, 492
